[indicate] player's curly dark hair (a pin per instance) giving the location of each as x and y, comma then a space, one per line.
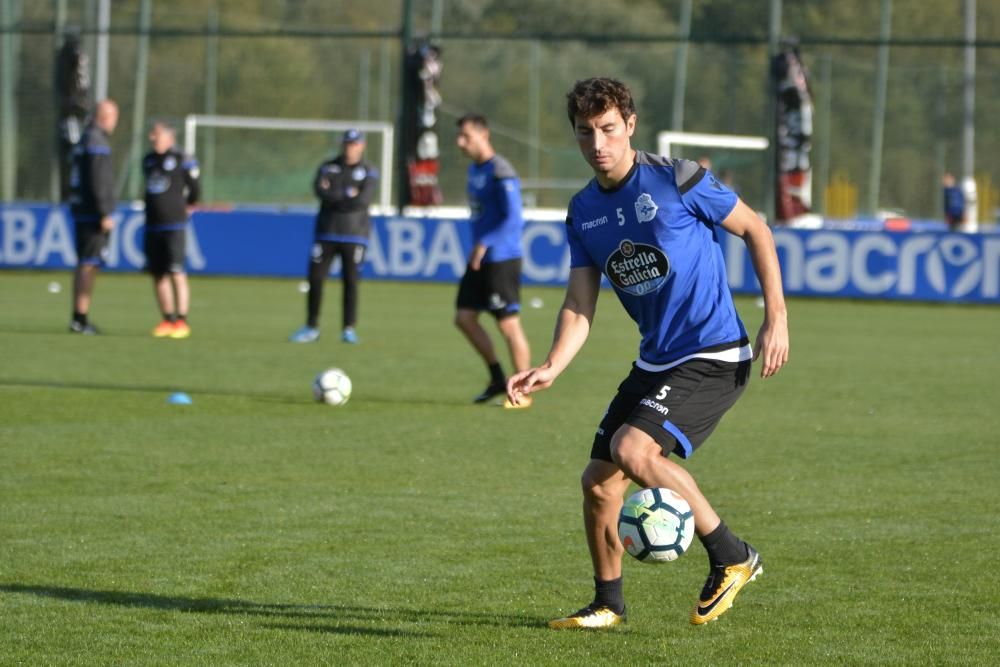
592, 97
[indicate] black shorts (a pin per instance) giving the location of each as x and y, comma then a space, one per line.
495, 287
91, 243
165, 250
324, 252
679, 408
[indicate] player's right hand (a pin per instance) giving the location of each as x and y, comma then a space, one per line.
107, 223
523, 383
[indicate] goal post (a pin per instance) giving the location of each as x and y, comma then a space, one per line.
667, 140
193, 122
738, 160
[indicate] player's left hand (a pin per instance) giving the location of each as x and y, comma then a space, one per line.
476, 256
107, 223
771, 345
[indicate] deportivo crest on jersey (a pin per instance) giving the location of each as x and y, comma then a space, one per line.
169, 163
637, 268
359, 173
157, 184
645, 208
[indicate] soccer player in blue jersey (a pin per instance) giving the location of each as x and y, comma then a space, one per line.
651, 225
492, 280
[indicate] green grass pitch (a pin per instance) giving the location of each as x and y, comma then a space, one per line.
410, 527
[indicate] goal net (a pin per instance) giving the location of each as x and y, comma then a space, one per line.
258, 160
739, 161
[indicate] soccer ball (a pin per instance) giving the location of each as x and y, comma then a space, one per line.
656, 525
332, 387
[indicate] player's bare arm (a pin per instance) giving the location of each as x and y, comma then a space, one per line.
572, 329
771, 345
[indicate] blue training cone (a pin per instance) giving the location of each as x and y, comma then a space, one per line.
179, 398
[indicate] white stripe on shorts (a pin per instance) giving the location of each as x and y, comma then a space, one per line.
733, 354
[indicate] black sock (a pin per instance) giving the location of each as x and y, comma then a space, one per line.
170, 317
182, 318
609, 594
723, 547
496, 374
80, 317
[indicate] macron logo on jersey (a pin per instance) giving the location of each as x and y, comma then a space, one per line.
645, 208
597, 222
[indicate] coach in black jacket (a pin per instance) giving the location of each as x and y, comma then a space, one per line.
92, 201
345, 186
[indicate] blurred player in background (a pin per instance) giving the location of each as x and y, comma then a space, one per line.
345, 186
492, 279
171, 188
651, 225
954, 202
92, 201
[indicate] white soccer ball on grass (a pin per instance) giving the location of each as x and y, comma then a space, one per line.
332, 387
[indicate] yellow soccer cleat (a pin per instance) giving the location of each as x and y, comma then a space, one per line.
589, 618
163, 329
181, 330
723, 584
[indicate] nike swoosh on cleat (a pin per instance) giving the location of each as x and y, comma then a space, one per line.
707, 609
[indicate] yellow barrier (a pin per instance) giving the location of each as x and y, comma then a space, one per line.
841, 197
988, 197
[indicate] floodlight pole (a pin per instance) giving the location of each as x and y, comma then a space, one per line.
402, 173
773, 39
680, 69
534, 109
823, 118
8, 109
211, 89
878, 122
101, 59
139, 105
58, 35
971, 222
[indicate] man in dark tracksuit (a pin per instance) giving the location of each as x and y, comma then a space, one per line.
92, 201
171, 187
345, 186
